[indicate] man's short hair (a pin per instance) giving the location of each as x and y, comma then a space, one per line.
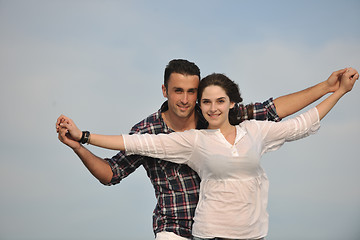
180, 66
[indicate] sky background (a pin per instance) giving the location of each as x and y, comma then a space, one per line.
101, 63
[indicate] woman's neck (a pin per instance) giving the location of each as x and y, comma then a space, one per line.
228, 131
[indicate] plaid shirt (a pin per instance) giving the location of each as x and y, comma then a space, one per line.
176, 186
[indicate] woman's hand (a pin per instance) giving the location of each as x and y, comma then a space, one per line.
333, 82
348, 80
67, 126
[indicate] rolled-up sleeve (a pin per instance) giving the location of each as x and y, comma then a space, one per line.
276, 134
176, 147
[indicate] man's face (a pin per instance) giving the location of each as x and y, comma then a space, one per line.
181, 94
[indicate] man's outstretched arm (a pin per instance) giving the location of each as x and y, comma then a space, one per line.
289, 104
98, 167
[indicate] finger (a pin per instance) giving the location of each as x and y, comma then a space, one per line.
60, 118
57, 124
65, 125
356, 76
351, 71
63, 118
61, 135
340, 72
63, 131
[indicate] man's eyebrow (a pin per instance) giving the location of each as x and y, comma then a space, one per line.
180, 88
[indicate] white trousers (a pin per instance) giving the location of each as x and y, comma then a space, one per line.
169, 236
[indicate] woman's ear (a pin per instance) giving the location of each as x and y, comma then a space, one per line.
232, 105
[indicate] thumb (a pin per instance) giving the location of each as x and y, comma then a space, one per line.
340, 72
356, 76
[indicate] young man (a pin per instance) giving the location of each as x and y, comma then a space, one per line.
176, 186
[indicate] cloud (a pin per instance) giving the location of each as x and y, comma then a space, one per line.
102, 64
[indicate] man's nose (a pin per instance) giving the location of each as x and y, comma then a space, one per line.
185, 98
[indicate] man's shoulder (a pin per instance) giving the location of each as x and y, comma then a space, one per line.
151, 124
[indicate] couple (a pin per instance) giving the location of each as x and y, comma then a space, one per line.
226, 159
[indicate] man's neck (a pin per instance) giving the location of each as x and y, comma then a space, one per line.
179, 124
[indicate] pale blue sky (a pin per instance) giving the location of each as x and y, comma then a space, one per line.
102, 63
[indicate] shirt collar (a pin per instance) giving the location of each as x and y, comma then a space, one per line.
240, 133
201, 123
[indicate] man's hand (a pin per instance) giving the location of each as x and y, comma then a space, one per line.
68, 133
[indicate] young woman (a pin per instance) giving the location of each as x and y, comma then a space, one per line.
226, 156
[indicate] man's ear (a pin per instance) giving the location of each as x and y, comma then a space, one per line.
164, 90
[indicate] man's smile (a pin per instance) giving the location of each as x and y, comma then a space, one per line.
183, 107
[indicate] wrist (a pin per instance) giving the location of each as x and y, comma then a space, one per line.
85, 137
79, 148
326, 87
76, 147
340, 92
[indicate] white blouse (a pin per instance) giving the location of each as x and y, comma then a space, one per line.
234, 188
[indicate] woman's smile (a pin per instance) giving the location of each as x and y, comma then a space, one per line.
215, 105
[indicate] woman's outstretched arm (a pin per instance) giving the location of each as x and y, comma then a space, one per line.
67, 126
174, 147
289, 104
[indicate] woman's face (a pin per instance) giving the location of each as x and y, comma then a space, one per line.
215, 106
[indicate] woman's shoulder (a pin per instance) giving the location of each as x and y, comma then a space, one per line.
202, 132
255, 125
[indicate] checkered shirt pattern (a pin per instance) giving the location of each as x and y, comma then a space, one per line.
176, 186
